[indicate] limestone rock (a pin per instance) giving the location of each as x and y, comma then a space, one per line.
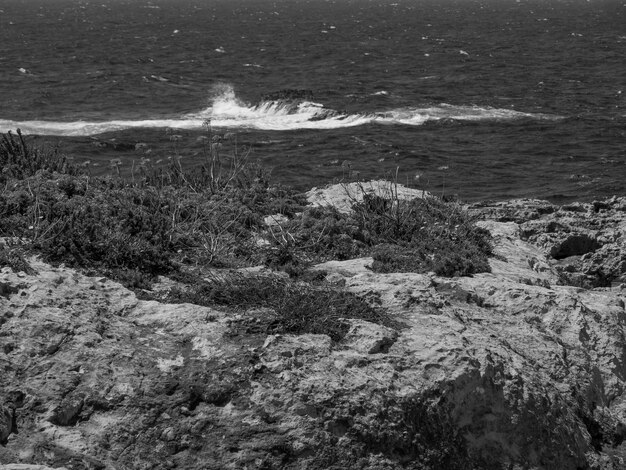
369, 338
517, 210
8, 414
344, 196
587, 241
508, 369
24, 466
7, 424
276, 219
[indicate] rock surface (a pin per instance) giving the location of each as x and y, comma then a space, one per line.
343, 196
587, 241
507, 369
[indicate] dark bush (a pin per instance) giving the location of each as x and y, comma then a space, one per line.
163, 218
296, 307
151, 223
419, 235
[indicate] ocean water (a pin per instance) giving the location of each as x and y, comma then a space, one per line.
485, 99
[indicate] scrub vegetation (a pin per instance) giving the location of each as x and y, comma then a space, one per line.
168, 220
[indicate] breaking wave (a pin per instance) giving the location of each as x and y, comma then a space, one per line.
280, 114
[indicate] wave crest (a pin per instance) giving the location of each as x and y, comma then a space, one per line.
282, 112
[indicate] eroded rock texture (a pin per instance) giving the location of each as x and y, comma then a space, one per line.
503, 370
587, 241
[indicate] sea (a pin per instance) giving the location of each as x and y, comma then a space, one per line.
479, 99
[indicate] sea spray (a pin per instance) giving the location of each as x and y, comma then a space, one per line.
227, 111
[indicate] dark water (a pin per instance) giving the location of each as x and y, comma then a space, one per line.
485, 99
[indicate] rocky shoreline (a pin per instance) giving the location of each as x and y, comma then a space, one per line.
523, 367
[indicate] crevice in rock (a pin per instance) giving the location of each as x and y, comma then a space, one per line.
7, 289
68, 413
574, 245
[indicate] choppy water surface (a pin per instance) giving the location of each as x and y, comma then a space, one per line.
485, 99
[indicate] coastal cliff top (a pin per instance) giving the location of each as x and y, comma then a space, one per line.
213, 320
475, 370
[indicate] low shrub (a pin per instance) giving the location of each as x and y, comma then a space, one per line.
443, 257
166, 217
294, 307
417, 432
423, 234
419, 235
148, 224
133, 278
19, 160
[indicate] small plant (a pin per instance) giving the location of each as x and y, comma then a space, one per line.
18, 159
14, 258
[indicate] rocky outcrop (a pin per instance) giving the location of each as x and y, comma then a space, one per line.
344, 196
508, 369
586, 242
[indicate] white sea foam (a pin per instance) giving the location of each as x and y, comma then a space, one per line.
85, 128
227, 111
